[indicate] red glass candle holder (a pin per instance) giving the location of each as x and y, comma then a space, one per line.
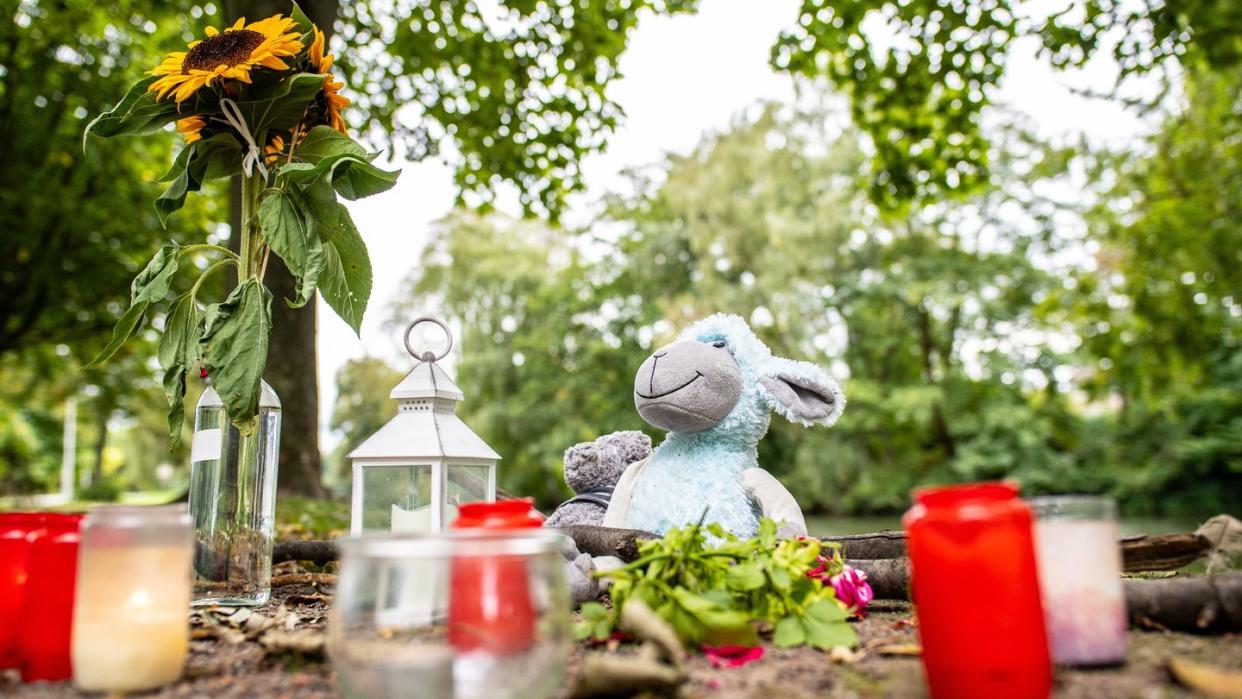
489, 604
15, 530
46, 621
976, 593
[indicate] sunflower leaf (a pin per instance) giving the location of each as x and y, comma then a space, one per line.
154, 281
125, 328
216, 156
291, 234
139, 112
305, 25
178, 349
278, 106
323, 142
345, 281
359, 178
235, 341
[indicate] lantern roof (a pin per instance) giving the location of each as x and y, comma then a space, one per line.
427, 380
426, 425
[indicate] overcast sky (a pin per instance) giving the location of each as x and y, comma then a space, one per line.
684, 77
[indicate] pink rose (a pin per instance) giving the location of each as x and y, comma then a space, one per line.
853, 589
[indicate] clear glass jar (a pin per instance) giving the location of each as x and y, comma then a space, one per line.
130, 627
424, 616
1080, 575
233, 502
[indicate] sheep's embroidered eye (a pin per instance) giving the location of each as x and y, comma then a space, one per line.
720, 344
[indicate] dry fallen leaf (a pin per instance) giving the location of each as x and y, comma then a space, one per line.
1225, 535
842, 654
898, 649
305, 642
1205, 679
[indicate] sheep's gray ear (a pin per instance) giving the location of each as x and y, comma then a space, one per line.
802, 392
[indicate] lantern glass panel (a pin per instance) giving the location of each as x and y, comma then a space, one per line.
397, 498
465, 484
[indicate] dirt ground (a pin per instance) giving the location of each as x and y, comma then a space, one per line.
232, 660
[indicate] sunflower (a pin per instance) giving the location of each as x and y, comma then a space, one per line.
231, 53
275, 146
331, 102
191, 128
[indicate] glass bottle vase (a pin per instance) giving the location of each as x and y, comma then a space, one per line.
233, 502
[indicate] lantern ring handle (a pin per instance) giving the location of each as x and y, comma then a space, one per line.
428, 356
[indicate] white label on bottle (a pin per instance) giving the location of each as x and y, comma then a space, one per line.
206, 445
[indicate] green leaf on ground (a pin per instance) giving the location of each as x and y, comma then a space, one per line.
788, 632
235, 342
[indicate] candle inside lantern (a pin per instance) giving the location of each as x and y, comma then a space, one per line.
130, 627
1080, 578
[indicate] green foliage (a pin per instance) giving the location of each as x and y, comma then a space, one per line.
711, 594
518, 88
920, 74
965, 352
362, 407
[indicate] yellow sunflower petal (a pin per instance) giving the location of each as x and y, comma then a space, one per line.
239, 24
211, 31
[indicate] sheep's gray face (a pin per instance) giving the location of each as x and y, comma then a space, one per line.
687, 386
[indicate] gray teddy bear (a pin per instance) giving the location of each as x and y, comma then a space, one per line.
591, 471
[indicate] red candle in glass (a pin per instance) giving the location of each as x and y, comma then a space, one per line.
489, 602
976, 593
15, 530
46, 621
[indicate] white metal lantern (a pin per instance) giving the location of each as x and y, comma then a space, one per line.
411, 474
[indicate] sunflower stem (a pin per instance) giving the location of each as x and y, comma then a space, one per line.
251, 235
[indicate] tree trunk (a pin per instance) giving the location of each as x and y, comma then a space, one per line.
292, 367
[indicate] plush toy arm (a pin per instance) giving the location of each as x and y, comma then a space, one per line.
619, 504
775, 501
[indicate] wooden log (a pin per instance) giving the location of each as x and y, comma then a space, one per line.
880, 545
1138, 553
1198, 604
606, 541
889, 577
317, 552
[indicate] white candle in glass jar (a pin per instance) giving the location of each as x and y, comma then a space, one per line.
130, 618
1080, 580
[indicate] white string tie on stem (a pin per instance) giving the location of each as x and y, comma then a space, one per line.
254, 156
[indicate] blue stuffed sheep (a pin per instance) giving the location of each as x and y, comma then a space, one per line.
714, 390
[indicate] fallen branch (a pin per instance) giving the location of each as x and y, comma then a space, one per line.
1201, 604
606, 541
1138, 553
303, 579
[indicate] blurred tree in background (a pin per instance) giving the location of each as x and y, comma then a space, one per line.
921, 73
958, 328
995, 306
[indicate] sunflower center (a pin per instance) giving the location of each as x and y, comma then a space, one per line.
226, 48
